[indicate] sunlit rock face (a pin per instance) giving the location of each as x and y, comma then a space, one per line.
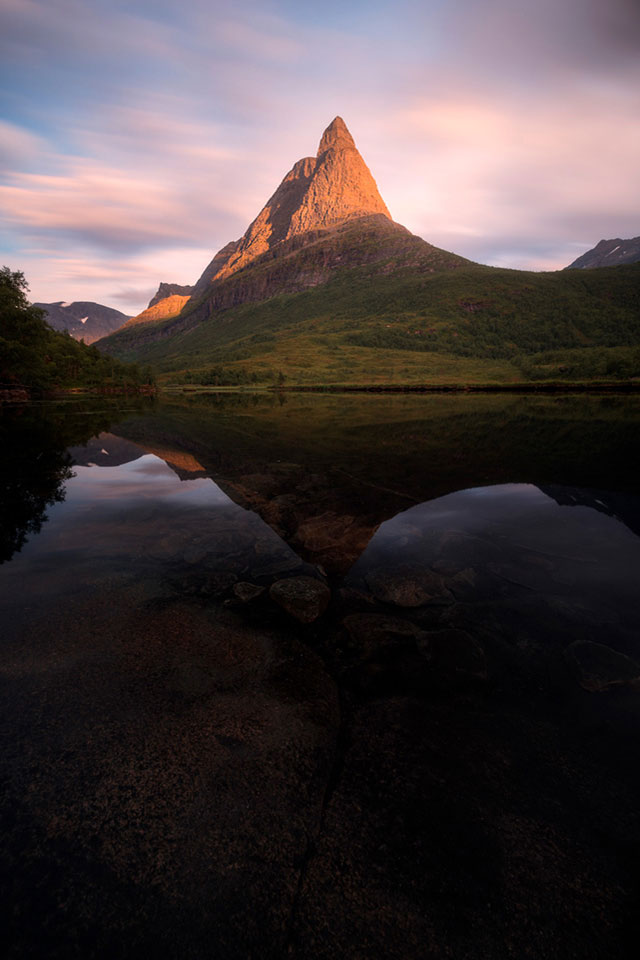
168, 301
318, 193
170, 290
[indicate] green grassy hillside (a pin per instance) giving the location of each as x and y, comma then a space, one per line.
472, 324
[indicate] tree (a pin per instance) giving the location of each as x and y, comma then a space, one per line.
23, 331
35, 356
18, 319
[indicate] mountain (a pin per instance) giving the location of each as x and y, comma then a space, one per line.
83, 319
318, 193
325, 288
326, 216
608, 253
168, 301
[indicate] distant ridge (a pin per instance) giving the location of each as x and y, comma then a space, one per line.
83, 319
608, 253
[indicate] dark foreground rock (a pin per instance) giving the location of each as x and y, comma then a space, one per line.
165, 788
184, 777
456, 830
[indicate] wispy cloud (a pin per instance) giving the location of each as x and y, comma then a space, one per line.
142, 136
126, 282
19, 148
504, 176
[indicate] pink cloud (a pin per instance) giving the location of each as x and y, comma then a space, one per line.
515, 171
18, 147
94, 203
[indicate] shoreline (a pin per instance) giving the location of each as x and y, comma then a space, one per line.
23, 394
20, 395
625, 386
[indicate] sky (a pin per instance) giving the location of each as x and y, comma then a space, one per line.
139, 137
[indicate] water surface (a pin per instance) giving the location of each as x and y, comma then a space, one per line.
442, 763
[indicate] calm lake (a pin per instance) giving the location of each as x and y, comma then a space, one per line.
321, 676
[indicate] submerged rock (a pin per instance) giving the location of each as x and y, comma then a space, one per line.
408, 586
271, 566
210, 585
302, 597
385, 656
194, 554
217, 584
191, 681
372, 631
598, 667
246, 592
457, 651
463, 584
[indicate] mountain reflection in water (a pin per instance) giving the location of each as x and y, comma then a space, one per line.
443, 763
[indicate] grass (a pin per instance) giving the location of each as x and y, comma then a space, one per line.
473, 324
305, 362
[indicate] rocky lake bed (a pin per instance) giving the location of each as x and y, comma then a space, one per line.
322, 676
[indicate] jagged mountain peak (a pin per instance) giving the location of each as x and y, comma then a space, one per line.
318, 193
336, 136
